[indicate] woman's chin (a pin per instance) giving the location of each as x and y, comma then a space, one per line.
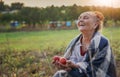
81, 30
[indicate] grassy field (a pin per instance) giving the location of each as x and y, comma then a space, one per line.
36, 40
46, 39
29, 54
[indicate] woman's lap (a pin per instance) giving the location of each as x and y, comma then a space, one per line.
72, 73
76, 73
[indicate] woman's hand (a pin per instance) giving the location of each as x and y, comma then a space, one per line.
68, 66
71, 64
65, 67
59, 65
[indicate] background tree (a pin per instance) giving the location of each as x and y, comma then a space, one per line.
6, 8
30, 15
33, 15
1, 5
16, 6
52, 13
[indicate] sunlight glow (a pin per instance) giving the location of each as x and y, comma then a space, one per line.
103, 2
45, 3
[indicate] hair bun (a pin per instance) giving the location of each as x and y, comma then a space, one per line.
99, 15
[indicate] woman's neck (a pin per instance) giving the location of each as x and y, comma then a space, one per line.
87, 37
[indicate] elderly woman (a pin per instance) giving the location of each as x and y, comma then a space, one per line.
89, 54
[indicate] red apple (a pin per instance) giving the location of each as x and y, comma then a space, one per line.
56, 58
63, 60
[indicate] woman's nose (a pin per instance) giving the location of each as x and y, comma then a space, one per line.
79, 21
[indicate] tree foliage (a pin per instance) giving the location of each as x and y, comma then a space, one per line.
33, 15
16, 6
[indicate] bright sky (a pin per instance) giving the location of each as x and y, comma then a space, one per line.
44, 3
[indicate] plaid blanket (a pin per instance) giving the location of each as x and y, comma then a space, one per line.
99, 58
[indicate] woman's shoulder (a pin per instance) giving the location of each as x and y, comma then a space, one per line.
103, 42
104, 39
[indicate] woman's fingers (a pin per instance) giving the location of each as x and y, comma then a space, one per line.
68, 68
71, 64
62, 65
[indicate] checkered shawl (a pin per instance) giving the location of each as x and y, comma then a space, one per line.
99, 59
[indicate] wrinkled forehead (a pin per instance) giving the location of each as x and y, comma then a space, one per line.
91, 14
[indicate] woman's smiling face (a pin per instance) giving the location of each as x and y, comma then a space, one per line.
87, 22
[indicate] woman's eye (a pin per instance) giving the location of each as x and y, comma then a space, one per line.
79, 18
86, 17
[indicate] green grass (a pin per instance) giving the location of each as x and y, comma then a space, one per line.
42, 40
36, 40
29, 62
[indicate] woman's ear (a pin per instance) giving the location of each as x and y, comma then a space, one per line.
95, 26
